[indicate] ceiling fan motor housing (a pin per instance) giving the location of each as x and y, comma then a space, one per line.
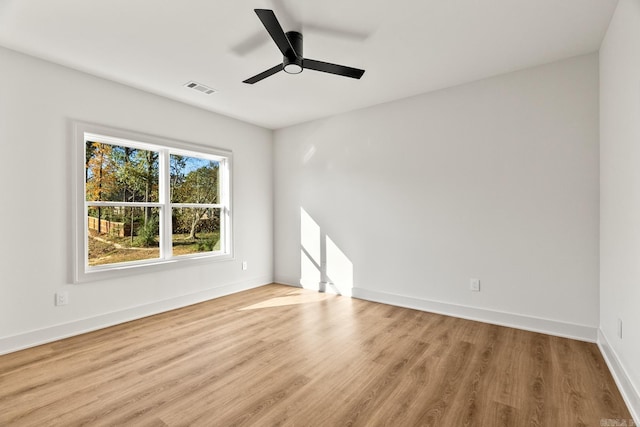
293, 64
293, 60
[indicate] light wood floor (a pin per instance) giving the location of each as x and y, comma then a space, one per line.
278, 355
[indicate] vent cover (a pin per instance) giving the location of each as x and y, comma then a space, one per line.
199, 87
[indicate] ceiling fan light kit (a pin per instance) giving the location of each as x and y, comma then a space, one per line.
293, 61
293, 64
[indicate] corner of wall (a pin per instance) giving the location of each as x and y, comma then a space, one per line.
629, 393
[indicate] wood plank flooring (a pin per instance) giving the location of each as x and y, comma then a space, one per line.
278, 355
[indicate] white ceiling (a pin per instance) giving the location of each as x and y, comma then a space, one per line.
407, 47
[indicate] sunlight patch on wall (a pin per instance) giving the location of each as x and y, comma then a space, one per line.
310, 276
309, 154
310, 236
339, 268
323, 265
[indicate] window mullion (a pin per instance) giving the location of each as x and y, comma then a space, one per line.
93, 203
197, 205
221, 200
225, 223
166, 248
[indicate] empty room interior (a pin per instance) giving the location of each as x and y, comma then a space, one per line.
326, 213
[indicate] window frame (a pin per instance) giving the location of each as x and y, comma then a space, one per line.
83, 132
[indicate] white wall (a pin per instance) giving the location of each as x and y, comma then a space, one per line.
497, 180
620, 193
37, 101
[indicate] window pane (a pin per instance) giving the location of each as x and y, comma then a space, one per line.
122, 234
195, 230
115, 173
194, 180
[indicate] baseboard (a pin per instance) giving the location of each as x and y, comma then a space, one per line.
289, 281
513, 320
65, 330
327, 287
629, 392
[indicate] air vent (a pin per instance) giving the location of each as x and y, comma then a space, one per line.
199, 87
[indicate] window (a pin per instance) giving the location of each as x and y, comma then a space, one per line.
144, 202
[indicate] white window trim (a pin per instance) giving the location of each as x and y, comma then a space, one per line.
82, 271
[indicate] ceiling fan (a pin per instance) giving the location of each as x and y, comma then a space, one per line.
290, 44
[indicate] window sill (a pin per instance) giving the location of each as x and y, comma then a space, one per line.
115, 271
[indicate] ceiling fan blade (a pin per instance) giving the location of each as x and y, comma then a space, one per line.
326, 67
263, 75
276, 32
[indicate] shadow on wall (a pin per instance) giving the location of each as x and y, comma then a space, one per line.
323, 266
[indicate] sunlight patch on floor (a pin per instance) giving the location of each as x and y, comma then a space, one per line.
293, 298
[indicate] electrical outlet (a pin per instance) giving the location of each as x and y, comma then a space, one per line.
245, 265
62, 298
620, 328
474, 285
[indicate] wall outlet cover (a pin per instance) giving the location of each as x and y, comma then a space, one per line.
62, 298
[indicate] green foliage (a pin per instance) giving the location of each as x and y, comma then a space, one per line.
114, 230
199, 185
147, 235
124, 174
118, 173
207, 245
